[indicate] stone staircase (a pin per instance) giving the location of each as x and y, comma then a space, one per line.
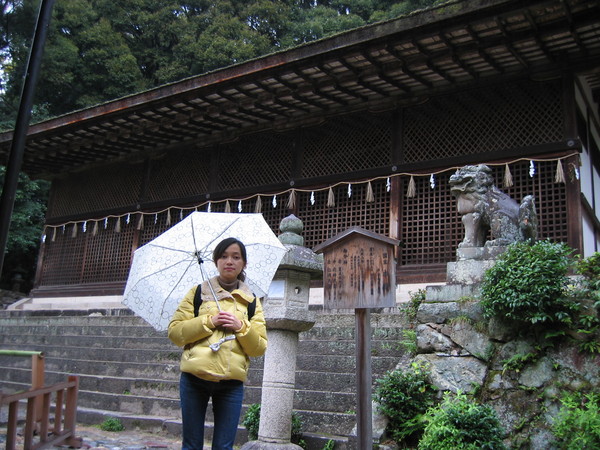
129, 370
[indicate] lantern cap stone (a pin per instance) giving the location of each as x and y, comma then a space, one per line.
298, 257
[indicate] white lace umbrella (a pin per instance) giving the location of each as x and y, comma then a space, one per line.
166, 268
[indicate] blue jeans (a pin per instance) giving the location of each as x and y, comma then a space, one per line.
226, 397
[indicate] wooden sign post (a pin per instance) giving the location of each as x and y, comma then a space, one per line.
360, 273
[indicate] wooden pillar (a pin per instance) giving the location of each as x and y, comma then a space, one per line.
37, 382
364, 380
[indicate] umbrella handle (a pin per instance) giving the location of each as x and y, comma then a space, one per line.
215, 346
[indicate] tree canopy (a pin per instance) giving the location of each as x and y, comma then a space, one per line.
25, 229
99, 50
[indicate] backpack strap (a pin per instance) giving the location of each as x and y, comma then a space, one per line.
252, 308
198, 302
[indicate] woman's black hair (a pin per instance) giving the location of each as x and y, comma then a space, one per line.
224, 245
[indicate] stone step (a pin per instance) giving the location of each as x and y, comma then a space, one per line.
73, 318
305, 379
310, 391
134, 326
96, 343
151, 363
163, 344
306, 404
64, 328
127, 367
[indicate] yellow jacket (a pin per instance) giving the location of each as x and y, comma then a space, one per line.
195, 334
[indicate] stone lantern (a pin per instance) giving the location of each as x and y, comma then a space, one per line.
286, 313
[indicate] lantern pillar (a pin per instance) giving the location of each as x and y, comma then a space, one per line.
286, 314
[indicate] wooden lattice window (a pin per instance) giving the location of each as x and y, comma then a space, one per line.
511, 115
100, 189
550, 197
157, 223
347, 144
107, 254
431, 228
273, 212
181, 174
87, 257
322, 222
255, 160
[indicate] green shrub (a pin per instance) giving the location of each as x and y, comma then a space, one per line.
517, 362
416, 298
251, 421
409, 341
404, 397
586, 292
527, 284
330, 445
577, 425
590, 269
460, 423
111, 424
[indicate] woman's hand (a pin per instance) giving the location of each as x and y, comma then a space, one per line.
227, 320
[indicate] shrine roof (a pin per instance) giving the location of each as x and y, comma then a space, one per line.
379, 67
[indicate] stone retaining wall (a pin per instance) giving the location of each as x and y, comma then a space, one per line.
468, 353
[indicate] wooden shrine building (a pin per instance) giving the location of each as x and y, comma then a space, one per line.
360, 129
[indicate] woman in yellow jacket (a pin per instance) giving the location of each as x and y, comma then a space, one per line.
217, 345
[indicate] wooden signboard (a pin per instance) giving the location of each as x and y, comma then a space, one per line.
360, 273
359, 270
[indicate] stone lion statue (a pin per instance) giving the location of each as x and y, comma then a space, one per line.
485, 208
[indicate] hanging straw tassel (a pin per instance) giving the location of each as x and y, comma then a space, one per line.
330, 198
74, 234
95, 229
169, 216
291, 203
370, 195
412, 189
54, 235
508, 179
560, 174
118, 225
227, 207
258, 205
140, 223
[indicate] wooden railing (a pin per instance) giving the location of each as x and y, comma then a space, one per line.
38, 433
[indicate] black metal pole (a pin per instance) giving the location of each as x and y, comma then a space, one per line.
17, 148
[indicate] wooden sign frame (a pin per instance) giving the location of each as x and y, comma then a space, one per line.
359, 270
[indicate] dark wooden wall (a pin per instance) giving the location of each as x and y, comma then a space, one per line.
504, 123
